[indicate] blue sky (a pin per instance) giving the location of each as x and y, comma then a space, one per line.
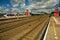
57, 5
4, 3
26, 2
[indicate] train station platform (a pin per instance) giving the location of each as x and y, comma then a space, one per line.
53, 30
8, 17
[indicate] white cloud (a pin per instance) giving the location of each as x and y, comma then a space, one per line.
15, 5
45, 4
8, 5
51, 2
37, 5
6, 9
0, 7
14, 9
23, 5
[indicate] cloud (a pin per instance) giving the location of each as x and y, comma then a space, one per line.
8, 5
0, 6
6, 9
44, 4
51, 3
15, 5
23, 5
16, 2
14, 9
37, 4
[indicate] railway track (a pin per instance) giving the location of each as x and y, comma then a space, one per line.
5, 21
35, 33
16, 24
13, 21
22, 32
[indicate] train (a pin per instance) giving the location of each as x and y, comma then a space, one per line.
13, 14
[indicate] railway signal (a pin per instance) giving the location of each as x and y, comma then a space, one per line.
56, 13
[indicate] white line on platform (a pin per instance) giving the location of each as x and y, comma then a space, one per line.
46, 32
56, 20
54, 29
55, 33
56, 38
